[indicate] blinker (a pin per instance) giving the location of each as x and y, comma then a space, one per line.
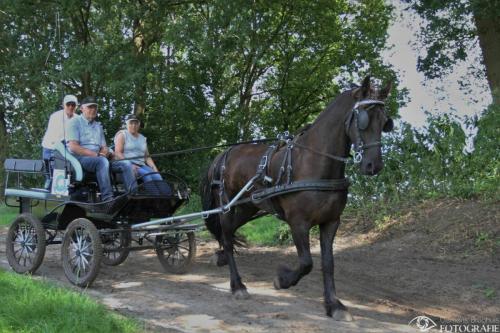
363, 120
388, 126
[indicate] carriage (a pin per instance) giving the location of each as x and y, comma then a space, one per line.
91, 232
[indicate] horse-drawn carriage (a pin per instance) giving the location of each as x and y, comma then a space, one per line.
92, 232
299, 179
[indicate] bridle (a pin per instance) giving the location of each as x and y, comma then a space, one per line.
358, 117
360, 120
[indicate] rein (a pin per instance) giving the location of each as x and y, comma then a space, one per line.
287, 138
345, 160
359, 145
192, 150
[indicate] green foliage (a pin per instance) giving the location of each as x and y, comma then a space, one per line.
34, 306
432, 163
197, 73
7, 214
450, 31
490, 293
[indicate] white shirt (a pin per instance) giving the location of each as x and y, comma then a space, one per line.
56, 128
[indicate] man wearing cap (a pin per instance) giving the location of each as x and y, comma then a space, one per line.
56, 131
86, 142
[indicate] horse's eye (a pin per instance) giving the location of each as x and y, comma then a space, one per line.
388, 126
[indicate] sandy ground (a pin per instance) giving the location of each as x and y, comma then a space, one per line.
385, 283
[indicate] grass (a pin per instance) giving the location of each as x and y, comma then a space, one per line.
7, 214
266, 230
29, 305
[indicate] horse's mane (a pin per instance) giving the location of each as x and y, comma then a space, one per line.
342, 101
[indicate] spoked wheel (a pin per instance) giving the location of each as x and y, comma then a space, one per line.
81, 252
25, 244
115, 247
176, 252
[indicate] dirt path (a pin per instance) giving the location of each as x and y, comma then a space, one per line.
385, 284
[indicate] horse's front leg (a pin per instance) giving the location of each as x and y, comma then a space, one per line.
290, 277
334, 308
238, 289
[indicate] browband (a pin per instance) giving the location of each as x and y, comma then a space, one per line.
367, 102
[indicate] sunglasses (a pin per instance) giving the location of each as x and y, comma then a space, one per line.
71, 104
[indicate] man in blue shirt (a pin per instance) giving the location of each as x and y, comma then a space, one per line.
86, 141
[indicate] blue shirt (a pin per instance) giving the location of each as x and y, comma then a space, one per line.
89, 134
134, 147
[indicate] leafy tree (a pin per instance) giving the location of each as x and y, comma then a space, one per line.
453, 29
199, 73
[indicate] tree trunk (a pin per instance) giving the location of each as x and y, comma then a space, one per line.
488, 30
3, 147
140, 47
86, 84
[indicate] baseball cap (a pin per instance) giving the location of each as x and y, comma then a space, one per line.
131, 117
88, 101
70, 99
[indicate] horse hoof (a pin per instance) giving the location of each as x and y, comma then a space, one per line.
276, 283
241, 294
342, 315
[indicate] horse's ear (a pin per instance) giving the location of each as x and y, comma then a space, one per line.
363, 91
385, 91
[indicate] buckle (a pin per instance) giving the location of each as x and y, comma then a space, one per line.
358, 157
263, 162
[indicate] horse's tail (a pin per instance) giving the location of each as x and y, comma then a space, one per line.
208, 201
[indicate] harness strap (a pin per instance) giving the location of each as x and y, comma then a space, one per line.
301, 185
265, 161
285, 161
220, 182
289, 162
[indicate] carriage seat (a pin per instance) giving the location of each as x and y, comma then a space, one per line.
20, 165
16, 188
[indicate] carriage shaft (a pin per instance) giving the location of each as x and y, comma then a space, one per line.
203, 214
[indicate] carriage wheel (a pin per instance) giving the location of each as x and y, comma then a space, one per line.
113, 241
176, 252
81, 252
25, 244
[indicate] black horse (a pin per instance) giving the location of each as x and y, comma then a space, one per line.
314, 157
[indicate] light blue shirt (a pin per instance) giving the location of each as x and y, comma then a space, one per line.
89, 135
134, 147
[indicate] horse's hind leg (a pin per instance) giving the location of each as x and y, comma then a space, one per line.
230, 222
290, 277
334, 308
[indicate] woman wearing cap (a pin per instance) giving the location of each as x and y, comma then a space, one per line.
132, 146
56, 131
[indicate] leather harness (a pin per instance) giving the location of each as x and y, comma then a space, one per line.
279, 187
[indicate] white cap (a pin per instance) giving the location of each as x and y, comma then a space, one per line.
69, 99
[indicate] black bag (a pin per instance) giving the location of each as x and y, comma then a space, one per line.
156, 188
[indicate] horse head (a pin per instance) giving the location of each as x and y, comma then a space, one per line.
365, 123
